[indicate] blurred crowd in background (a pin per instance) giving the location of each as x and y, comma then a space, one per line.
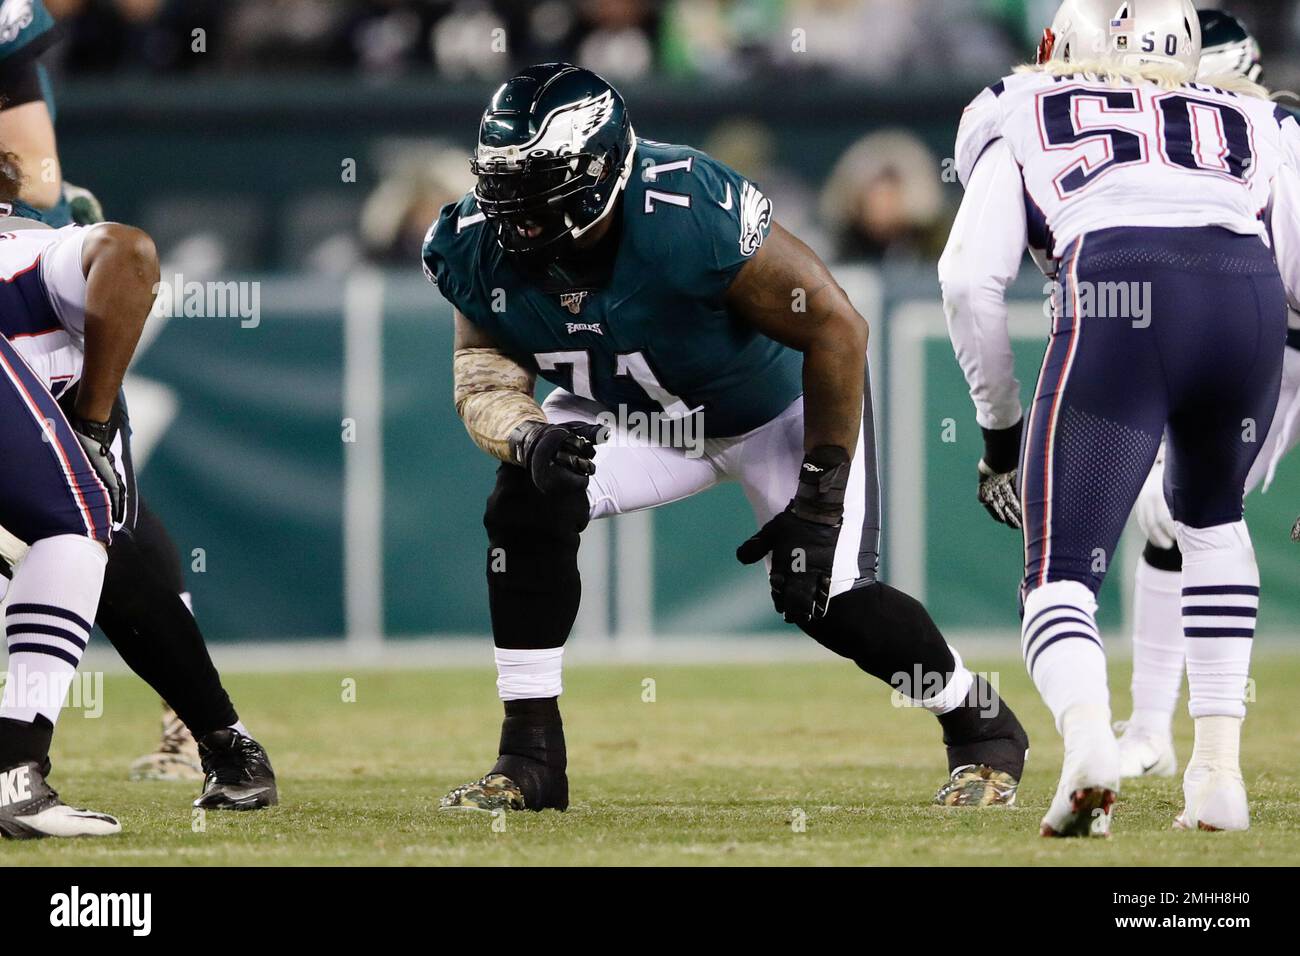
882, 200
626, 39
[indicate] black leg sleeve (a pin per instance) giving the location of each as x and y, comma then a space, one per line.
532, 566
890, 635
886, 633
144, 618
157, 547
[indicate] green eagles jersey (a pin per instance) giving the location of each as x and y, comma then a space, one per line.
655, 336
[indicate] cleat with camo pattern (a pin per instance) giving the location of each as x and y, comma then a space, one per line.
493, 792
978, 786
177, 756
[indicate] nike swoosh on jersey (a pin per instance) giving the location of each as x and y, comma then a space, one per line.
726, 203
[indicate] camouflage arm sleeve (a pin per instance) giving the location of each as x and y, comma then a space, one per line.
494, 395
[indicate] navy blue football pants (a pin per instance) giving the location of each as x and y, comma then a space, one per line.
1158, 332
47, 485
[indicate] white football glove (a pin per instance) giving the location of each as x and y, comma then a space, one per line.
1152, 510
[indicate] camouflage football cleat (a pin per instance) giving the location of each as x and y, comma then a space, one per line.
978, 786
177, 756
494, 792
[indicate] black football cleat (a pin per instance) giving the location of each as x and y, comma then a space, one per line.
30, 809
239, 774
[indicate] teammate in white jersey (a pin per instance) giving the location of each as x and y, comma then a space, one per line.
59, 491
45, 298
1146, 739
1155, 194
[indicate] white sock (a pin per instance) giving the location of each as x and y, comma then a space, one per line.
1219, 603
1218, 743
238, 727
1063, 650
954, 693
1157, 647
524, 674
52, 604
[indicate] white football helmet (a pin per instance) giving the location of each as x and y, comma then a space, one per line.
1127, 33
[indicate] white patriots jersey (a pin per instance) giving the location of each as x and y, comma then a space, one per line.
43, 301
1096, 153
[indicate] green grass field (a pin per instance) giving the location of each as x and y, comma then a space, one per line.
712, 772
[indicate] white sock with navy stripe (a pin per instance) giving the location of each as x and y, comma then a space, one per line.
1220, 603
51, 607
1063, 650
1157, 648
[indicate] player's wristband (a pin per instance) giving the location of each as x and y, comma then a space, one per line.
522, 439
823, 478
1002, 448
101, 432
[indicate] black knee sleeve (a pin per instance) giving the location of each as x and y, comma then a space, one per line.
1163, 559
886, 633
532, 562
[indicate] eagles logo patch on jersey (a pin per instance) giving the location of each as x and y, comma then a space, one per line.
755, 216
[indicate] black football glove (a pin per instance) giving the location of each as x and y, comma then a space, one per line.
998, 473
802, 538
96, 440
558, 457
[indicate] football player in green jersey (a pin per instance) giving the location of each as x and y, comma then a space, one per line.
650, 283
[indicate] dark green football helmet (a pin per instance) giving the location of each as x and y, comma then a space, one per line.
554, 153
1227, 47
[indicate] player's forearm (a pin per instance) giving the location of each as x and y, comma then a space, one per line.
494, 396
834, 379
977, 326
121, 277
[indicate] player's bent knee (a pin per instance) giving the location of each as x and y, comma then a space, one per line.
516, 506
